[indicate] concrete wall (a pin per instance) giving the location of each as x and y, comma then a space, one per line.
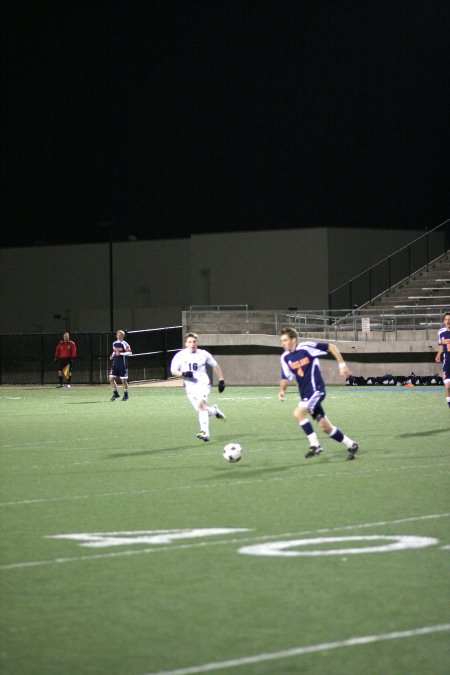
151, 286
255, 359
155, 280
363, 248
266, 270
37, 283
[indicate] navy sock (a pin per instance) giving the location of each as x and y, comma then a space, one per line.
336, 434
307, 427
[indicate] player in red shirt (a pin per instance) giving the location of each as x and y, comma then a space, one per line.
66, 351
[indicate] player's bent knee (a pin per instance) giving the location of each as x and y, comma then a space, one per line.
300, 413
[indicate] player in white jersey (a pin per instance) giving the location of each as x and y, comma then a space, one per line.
190, 364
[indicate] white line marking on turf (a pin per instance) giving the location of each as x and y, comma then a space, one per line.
282, 548
245, 398
173, 547
307, 649
127, 537
250, 481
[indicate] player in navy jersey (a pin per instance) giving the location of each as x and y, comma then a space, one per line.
119, 357
443, 353
301, 360
190, 364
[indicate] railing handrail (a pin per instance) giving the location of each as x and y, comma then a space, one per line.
327, 313
217, 307
391, 255
399, 312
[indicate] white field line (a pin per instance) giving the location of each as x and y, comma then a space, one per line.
308, 649
204, 544
214, 486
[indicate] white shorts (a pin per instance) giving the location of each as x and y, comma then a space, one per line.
197, 392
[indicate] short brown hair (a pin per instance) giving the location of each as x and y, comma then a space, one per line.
290, 332
193, 335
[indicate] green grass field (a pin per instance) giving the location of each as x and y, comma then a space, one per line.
129, 547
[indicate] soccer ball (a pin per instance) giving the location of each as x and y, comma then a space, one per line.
232, 452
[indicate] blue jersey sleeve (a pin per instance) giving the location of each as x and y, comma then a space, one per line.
286, 373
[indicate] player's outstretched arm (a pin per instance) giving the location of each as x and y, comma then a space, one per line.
334, 351
283, 386
221, 380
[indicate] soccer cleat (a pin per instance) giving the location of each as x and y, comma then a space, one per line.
352, 451
115, 395
218, 413
202, 436
68, 386
314, 450
125, 396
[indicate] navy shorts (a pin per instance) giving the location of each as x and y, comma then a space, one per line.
446, 369
313, 404
119, 370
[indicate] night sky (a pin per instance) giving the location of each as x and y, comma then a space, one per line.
173, 117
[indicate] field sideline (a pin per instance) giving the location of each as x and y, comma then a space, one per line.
131, 548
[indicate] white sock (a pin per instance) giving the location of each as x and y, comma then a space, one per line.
347, 441
203, 418
312, 436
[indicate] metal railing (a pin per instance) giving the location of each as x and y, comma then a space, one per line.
393, 269
369, 324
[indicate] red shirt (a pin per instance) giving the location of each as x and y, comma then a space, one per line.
66, 349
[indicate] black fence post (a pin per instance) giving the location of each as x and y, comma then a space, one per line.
42, 360
91, 371
166, 370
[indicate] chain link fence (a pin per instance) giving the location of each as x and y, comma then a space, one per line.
29, 359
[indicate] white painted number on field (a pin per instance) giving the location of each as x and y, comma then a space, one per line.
105, 539
284, 548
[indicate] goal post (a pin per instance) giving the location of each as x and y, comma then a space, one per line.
152, 352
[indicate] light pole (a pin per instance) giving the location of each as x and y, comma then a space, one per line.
64, 318
107, 224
